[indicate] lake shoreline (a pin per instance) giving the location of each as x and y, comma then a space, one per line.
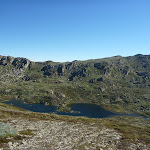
77, 109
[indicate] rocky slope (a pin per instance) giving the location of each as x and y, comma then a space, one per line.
117, 83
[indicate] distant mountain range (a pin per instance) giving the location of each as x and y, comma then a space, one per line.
117, 83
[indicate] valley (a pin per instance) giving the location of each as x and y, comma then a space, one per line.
117, 84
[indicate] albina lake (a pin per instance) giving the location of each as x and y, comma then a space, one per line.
79, 109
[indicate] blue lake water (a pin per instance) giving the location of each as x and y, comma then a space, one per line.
87, 110
32, 107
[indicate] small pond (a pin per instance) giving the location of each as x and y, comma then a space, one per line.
87, 110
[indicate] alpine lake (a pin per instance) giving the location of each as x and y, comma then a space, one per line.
78, 109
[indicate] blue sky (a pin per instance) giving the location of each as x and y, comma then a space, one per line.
67, 30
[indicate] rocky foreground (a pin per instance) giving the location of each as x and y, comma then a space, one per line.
55, 134
63, 135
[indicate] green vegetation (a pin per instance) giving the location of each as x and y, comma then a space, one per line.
120, 84
26, 132
131, 128
6, 130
